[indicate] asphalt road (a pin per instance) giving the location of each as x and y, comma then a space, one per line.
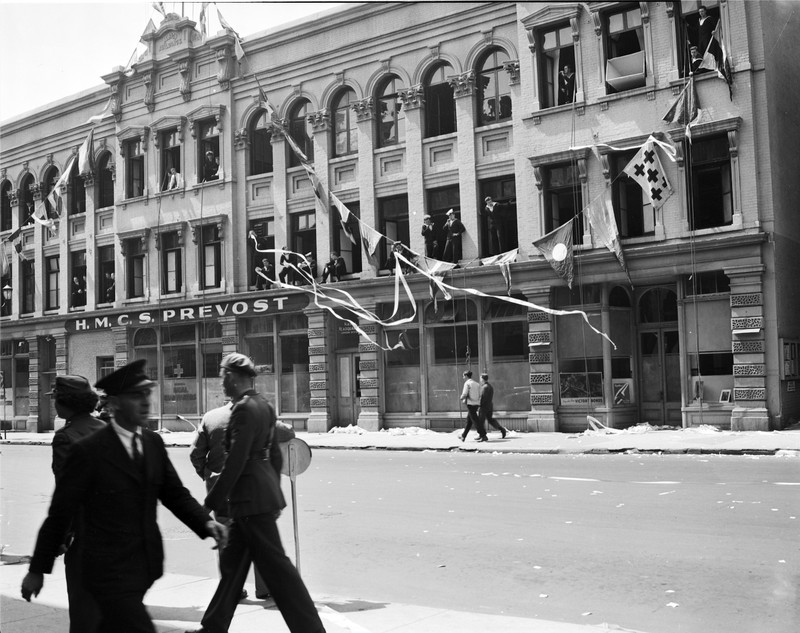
666, 544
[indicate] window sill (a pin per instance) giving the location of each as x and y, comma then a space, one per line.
559, 109
494, 126
171, 193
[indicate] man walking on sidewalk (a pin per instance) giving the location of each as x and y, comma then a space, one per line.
248, 488
471, 397
486, 406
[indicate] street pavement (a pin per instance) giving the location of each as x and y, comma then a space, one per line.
176, 602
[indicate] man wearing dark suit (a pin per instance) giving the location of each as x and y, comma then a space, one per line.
453, 229
74, 401
248, 488
117, 476
486, 410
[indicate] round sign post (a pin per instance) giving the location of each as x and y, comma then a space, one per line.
297, 459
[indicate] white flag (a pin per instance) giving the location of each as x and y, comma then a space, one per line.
646, 169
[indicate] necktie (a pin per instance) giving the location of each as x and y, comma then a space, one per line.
137, 455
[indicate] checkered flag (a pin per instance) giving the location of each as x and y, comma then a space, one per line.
646, 169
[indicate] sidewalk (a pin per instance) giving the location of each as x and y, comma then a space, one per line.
177, 601
642, 438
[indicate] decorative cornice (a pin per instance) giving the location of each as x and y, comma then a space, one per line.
364, 109
512, 68
463, 85
197, 224
320, 120
412, 97
205, 112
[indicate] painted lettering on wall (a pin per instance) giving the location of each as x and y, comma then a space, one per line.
164, 316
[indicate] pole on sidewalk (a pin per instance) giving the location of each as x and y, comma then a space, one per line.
298, 458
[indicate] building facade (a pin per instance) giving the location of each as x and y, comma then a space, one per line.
407, 111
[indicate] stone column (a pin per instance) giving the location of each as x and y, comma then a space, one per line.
365, 117
320, 124
370, 417
541, 354
463, 91
749, 349
319, 350
32, 423
412, 105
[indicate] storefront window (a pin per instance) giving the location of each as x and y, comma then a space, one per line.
452, 348
295, 388
402, 375
260, 338
508, 365
14, 365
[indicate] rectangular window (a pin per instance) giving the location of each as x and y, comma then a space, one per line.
295, 391
211, 257
303, 236
440, 201
78, 279
171, 262
28, 274
264, 230
633, 210
692, 35
498, 224
393, 223
440, 108
51, 283
402, 372
563, 199
6, 302
341, 243
105, 366
170, 160
711, 192
134, 168
556, 66
134, 256
624, 48
208, 151
106, 288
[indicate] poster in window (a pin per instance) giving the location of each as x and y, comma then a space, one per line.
623, 390
581, 388
725, 395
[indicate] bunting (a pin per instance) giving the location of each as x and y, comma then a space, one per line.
60, 185
716, 58
645, 168
99, 117
556, 247
503, 260
5, 260
14, 239
345, 215
370, 239
600, 214
203, 19
86, 154
159, 6
686, 109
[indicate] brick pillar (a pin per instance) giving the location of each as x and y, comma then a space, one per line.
370, 417
749, 349
542, 416
319, 348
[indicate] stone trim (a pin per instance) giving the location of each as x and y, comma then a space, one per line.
745, 300
541, 379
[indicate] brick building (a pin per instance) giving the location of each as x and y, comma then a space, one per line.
406, 112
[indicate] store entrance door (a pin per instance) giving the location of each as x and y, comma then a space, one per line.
348, 388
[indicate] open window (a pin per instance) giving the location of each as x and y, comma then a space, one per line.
135, 271
134, 167
264, 230
340, 240
345, 130
208, 157
77, 192
106, 286
633, 210
694, 23
303, 237
26, 198
498, 222
439, 102
563, 198
49, 181
493, 88
391, 117
711, 191
105, 181
393, 223
5, 206
624, 46
77, 284
301, 132
261, 161
170, 146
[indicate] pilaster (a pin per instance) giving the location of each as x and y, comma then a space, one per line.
541, 353
370, 417
32, 423
464, 89
319, 348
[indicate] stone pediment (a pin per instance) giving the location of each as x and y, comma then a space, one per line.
175, 34
552, 14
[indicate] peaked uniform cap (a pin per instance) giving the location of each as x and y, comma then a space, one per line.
128, 379
71, 385
239, 363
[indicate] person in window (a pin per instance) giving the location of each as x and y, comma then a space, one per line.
336, 268
264, 274
695, 60
429, 235
452, 246
78, 291
210, 167
498, 216
286, 261
398, 247
566, 85
308, 270
705, 29
111, 290
174, 179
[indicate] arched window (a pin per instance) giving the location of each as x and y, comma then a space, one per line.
391, 118
658, 305
48, 182
494, 89
300, 130
77, 192
5, 206
345, 130
26, 195
440, 105
260, 145
105, 181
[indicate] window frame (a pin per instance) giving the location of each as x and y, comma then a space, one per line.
135, 253
632, 191
103, 265
260, 136
438, 98
171, 246
209, 134
105, 180
28, 279
634, 79
134, 150
6, 209
341, 244
389, 93
52, 274
396, 227
301, 131
170, 146
350, 130
713, 164
210, 248
497, 57
77, 267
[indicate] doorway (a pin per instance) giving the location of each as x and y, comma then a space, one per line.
348, 388
659, 357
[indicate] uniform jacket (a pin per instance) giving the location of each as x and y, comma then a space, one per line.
487, 395
454, 229
249, 483
119, 504
207, 453
77, 427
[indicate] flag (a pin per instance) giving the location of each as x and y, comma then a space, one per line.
345, 214
556, 247
370, 238
86, 154
715, 57
203, 18
600, 214
237, 47
129, 70
14, 238
225, 24
645, 168
503, 260
43, 220
159, 6
295, 147
63, 179
315, 181
5, 263
99, 117
686, 109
